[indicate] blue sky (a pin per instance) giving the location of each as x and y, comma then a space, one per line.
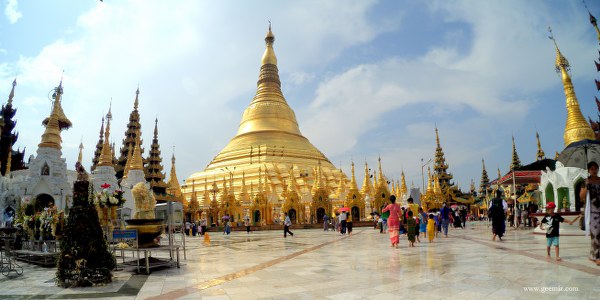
365, 78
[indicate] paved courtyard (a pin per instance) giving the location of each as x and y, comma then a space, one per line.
325, 265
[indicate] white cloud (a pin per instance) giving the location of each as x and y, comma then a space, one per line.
12, 11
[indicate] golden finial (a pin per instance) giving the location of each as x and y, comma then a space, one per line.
516, 162
577, 128
269, 57
540, 153
12, 92
106, 157
136, 159
499, 174
437, 137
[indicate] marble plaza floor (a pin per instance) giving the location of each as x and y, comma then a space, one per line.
325, 265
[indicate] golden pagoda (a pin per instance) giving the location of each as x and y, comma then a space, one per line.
355, 199
174, 189
382, 192
268, 141
576, 128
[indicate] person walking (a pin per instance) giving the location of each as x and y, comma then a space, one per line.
349, 222
591, 192
343, 223
422, 222
393, 220
445, 216
325, 223
286, 226
431, 228
498, 214
463, 216
247, 224
553, 221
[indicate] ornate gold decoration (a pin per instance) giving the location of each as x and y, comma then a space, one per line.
577, 128
51, 136
106, 157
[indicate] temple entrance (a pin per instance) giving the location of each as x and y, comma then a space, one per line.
292, 215
320, 214
355, 212
578, 201
42, 201
256, 216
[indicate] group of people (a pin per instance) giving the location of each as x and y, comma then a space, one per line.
342, 222
413, 221
195, 228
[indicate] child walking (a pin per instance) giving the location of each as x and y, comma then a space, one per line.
553, 221
422, 222
431, 228
410, 229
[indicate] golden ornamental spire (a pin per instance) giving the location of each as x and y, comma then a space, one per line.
403, 188
540, 153
429, 181
136, 159
366, 188
291, 184
269, 57
63, 121
51, 136
12, 92
577, 128
106, 156
381, 179
499, 174
353, 183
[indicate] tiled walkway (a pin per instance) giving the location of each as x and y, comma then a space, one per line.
325, 265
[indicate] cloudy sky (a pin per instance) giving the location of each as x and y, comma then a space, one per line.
365, 78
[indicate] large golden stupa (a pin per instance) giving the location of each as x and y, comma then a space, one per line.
267, 157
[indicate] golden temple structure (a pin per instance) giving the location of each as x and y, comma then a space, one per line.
267, 164
577, 128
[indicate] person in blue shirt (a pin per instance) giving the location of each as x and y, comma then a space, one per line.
445, 216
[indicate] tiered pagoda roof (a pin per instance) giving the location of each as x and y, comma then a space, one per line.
10, 160
154, 169
441, 167
133, 132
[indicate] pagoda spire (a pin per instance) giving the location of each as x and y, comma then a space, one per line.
106, 153
577, 128
341, 185
80, 156
51, 137
593, 21
8, 137
136, 158
540, 153
382, 180
63, 122
485, 181
154, 168
403, 188
174, 188
516, 162
12, 92
134, 129
367, 188
441, 167
99, 145
353, 184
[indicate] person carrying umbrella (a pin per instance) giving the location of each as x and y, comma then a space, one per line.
591, 192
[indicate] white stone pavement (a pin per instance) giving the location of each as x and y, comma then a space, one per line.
325, 265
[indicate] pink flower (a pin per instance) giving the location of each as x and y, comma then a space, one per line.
105, 186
